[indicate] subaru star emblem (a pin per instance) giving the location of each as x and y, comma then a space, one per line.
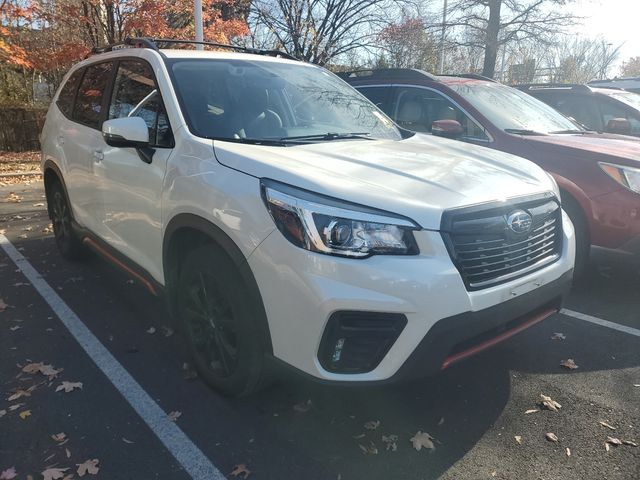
519, 221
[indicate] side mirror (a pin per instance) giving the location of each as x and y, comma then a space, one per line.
129, 132
621, 126
446, 128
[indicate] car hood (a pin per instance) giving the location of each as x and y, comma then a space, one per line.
619, 146
419, 177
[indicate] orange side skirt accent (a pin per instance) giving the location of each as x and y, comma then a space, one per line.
118, 263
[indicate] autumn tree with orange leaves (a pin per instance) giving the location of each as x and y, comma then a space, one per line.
40, 40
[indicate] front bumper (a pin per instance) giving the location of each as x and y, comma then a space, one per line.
301, 290
616, 221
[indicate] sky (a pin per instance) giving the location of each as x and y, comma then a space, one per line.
618, 21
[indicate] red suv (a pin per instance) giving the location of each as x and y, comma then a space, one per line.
598, 174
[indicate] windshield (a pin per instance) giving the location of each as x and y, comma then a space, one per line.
512, 110
630, 98
274, 102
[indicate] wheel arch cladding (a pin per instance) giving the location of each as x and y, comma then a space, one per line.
184, 233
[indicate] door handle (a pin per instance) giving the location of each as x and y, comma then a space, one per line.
98, 156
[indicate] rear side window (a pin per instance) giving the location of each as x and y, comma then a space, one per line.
88, 106
136, 94
68, 93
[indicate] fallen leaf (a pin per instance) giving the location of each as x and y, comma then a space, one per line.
518, 439
47, 370
14, 328
125, 440
606, 446
372, 424
53, 473
15, 407
240, 470
39, 204
614, 441
2, 305
8, 474
358, 437
533, 410
13, 198
19, 394
24, 414
390, 442
441, 422
59, 437
421, 439
175, 415
630, 443
552, 437
605, 424
167, 331
635, 384
2, 413
549, 403
303, 407
89, 466
371, 449
558, 336
151, 330
69, 386
66, 450
569, 364
32, 368
568, 451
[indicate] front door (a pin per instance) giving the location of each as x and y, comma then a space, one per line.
131, 189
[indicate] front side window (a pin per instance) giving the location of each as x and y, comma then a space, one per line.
88, 106
512, 110
136, 94
612, 109
582, 108
268, 101
68, 93
417, 108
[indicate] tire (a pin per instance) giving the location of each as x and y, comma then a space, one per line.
69, 245
219, 323
583, 239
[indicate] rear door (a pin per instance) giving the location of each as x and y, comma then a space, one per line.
130, 188
83, 144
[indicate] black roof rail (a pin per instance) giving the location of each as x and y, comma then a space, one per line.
549, 86
162, 43
474, 76
385, 73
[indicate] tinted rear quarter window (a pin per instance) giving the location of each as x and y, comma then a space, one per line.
90, 99
68, 93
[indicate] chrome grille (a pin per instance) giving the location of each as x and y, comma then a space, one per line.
487, 252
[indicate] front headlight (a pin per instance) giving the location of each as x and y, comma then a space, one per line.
556, 189
329, 226
628, 177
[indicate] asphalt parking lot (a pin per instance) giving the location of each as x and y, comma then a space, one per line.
295, 429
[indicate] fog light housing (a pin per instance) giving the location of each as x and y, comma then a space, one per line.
356, 342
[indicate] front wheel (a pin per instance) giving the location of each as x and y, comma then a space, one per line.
219, 322
583, 240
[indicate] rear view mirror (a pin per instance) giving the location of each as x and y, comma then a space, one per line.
446, 128
129, 132
621, 126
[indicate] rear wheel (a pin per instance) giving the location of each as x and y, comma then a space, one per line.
67, 241
583, 239
220, 323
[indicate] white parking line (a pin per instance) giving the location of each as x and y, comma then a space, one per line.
196, 464
601, 322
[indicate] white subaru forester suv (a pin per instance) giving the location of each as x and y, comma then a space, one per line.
289, 223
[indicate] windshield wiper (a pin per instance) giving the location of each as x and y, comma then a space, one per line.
329, 136
519, 131
574, 131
